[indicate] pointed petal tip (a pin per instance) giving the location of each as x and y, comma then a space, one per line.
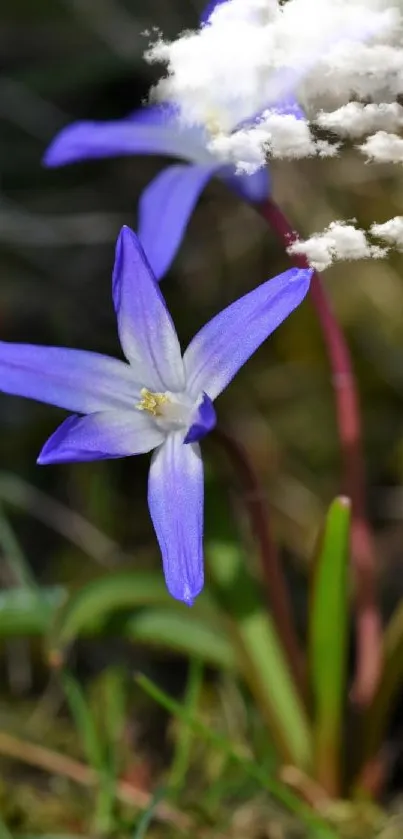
128, 237
186, 587
101, 435
51, 159
47, 158
175, 500
185, 593
216, 353
63, 148
303, 274
127, 231
300, 279
147, 334
119, 247
46, 455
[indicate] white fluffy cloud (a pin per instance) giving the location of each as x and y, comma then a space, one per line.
339, 241
356, 119
383, 148
274, 135
391, 231
253, 54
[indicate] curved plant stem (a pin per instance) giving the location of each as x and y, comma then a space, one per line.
368, 619
275, 585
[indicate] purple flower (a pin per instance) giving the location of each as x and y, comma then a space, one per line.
209, 9
167, 203
158, 400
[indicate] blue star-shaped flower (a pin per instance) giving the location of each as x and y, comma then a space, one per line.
158, 400
168, 201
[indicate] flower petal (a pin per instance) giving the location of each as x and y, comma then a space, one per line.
209, 9
257, 186
161, 114
220, 349
72, 379
147, 334
290, 105
253, 188
204, 420
164, 210
176, 498
156, 132
102, 435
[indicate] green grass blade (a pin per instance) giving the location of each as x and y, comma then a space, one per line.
328, 629
81, 712
44, 611
27, 611
95, 603
118, 602
13, 553
146, 818
261, 656
111, 688
96, 752
183, 630
108, 701
181, 760
279, 791
262, 660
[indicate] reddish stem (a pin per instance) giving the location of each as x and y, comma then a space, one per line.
276, 588
368, 619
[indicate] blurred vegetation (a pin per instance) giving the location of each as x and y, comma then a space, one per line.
85, 748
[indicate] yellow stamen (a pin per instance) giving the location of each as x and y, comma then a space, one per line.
213, 122
151, 402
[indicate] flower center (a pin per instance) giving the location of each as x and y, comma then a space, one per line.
179, 411
171, 411
152, 402
213, 122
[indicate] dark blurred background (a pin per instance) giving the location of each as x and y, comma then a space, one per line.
62, 60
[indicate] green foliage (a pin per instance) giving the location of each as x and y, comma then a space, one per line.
27, 611
145, 820
378, 713
100, 738
91, 606
262, 658
327, 644
279, 791
230, 630
21, 573
69, 60
182, 756
118, 602
183, 632
261, 654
